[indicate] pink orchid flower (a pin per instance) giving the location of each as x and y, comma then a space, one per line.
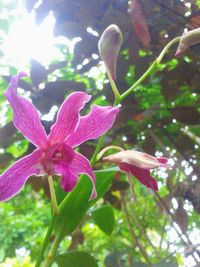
139, 165
54, 153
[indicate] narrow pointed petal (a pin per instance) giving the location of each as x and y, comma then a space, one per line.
136, 158
68, 117
25, 115
14, 178
143, 176
81, 165
93, 125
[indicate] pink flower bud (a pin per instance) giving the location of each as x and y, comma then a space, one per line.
188, 39
109, 46
136, 158
139, 165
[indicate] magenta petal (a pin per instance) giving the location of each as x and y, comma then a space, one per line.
163, 161
25, 115
93, 125
81, 165
14, 178
70, 172
69, 179
68, 117
141, 175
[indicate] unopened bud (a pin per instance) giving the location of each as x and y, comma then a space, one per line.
109, 46
188, 39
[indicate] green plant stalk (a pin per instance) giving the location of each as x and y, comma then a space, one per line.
53, 196
150, 69
113, 85
118, 99
138, 82
97, 150
166, 48
103, 151
52, 252
46, 241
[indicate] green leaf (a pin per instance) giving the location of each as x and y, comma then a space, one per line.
76, 259
99, 215
76, 203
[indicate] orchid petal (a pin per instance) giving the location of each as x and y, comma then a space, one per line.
25, 115
141, 175
69, 179
163, 162
14, 178
93, 125
68, 117
81, 165
70, 171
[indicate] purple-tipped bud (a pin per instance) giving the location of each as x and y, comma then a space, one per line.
188, 39
109, 46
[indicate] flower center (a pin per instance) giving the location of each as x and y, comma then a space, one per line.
55, 154
58, 155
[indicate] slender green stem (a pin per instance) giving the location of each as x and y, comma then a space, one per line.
45, 242
103, 151
150, 69
165, 49
129, 175
135, 238
113, 85
53, 196
141, 79
52, 252
97, 150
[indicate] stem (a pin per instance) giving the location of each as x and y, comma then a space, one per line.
141, 79
173, 41
134, 236
53, 196
192, 136
113, 85
103, 151
142, 230
182, 235
129, 175
150, 69
97, 150
45, 242
53, 250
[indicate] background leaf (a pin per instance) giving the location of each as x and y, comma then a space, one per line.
76, 259
104, 218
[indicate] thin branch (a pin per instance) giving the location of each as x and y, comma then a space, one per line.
183, 236
133, 235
